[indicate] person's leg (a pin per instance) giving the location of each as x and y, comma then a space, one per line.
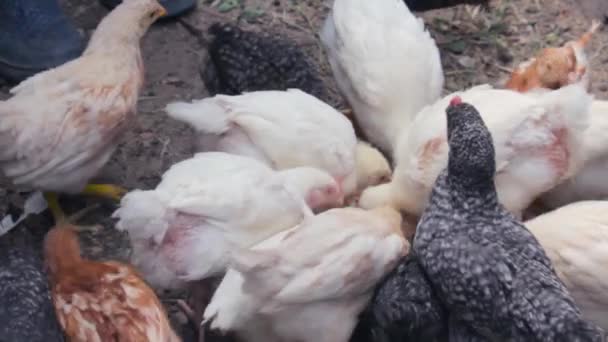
35, 35
174, 7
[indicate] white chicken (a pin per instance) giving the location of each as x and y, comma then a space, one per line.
62, 125
385, 63
538, 138
283, 129
590, 182
309, 283
206, 206
575, 238
372, 166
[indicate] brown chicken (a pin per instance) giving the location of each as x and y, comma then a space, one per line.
554, 68
101, 301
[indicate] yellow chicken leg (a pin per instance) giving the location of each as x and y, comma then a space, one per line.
61, 219
52, 201
105, 190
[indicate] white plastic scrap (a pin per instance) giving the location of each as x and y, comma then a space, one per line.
35, 204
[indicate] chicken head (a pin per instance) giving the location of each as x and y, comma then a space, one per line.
317, 187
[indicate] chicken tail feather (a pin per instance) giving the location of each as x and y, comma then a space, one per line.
206, 115
142, 215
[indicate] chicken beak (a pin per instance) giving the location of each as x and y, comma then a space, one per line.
162, 12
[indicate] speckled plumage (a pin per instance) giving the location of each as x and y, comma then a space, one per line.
404, 309
26, 311
244, 61
488, 269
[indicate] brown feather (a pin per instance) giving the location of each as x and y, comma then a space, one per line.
101, 301
552, 67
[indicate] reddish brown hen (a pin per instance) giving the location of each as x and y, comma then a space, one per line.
101, 301
554, 68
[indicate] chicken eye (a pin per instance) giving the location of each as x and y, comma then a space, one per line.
330, 190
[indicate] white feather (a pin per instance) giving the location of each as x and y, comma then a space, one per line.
590, 182
270, 126
204, 207
575, 238
385, 62
206, 116
537, 138
319, 274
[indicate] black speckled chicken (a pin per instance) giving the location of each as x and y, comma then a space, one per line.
244, 61
26, 310
489, 271
404, 309
426, 5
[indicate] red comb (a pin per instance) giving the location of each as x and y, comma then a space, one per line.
456, 100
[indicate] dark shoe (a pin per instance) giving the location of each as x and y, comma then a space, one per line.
174, 7
35, 35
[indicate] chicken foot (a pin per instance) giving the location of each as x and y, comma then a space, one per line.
60, 217
101, 190
110, 191
187, 310
200, 295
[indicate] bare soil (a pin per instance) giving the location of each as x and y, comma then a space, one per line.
476, 47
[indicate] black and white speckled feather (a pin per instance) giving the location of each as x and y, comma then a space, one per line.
488, 269
26, 310
244, 61
404, 308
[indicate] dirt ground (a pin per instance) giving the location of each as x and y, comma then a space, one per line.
476, 48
